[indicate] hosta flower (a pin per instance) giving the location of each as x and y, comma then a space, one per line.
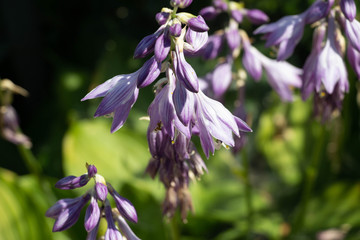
354, 59
120, 94
66, 212
348, 7
287, 32
352, 30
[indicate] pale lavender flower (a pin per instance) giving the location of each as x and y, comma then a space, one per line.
125, 228
331, 68
280, 75
221, 77
149, 72
233, 38
287, 32
162, 46
237, 15
354, 59
213, 120
120, 94
92, 215
348, 7
352, 30
220, 4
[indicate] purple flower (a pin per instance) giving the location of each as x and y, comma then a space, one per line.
148, 72
237, 15
101, 191
209, 13
354, 59
221, 77
285, 33
213, 120
147, 44
162, 17
180, 3
92, 215
233, 38
92, 170
175, 29
352, 30
162, 46
120, 93
71, 182
194, 41
111, 233
220, 4
67, 212
213, 47
251, 62
256, 16
348, 7
183, 71
197, 24
124, 206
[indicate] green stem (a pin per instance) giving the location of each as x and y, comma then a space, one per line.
248, 193
174, 230
310, 178
30, 160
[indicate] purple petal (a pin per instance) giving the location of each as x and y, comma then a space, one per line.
184, 104
180, 3
233, 38
209, 13
198, 24
318, 10
175, 30
221, 78
184, 72
194, 41
352, 31
92, 215
213, 47
72, 182
148, 72
162, 46
162, 17
101, 191
256, 16
111, 233
147, 44
102, 89
125, 207
220, 4
92, 235
243, 127
237, 15
354, 60
251, 63
348, 7
91, 171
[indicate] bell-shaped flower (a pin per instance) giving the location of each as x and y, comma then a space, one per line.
285, 33
184, 71
112, 233
318, 10
221, 77
348, 7
67, 212
352, 30
120, 94
233, 38
148, 72
331, 68
92, 215
194, 41
354, 59
162, 110
213, 120
162, 46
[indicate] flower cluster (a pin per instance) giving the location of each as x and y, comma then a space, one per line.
325, 72
66, 212
180, 108
9, 122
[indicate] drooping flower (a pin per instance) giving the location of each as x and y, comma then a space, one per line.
120, 94
287, 32
354, 59
352, 30
348, 8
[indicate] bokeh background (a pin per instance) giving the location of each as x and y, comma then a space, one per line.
294, 179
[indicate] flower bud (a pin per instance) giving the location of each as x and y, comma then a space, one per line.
348, 7
162, 46
352, 30
71, 182
101, 191
180, 3
162, 17
92, 170
198, 24
124, 206
256, 16
92, 215
209, 13
175, 28
220, 4
149, 72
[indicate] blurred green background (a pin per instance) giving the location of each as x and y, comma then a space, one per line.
295, 177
